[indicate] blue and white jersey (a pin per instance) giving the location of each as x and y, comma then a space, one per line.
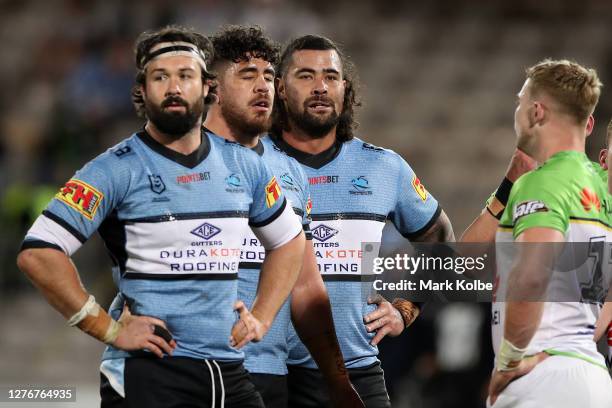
355, 188
269, 356
174, 226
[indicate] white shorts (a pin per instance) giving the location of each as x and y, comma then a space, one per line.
559, 382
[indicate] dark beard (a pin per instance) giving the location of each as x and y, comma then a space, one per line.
239, 124
174, 124
312, 125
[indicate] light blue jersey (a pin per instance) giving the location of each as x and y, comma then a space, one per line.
355, 188
269, 356
174, 226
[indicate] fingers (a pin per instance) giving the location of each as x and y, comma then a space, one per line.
154, 349
377, 324
380, 334
376, 299
161, 344
240, 307
242, 333
376, 314
155, 321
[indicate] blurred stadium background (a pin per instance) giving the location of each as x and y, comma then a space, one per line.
439, 84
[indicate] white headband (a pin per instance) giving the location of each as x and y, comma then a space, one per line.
174, 48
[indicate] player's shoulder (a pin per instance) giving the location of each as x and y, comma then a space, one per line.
116, 159
272, 148
366, 152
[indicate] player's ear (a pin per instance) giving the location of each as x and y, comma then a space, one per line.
280, 88
590, 125
537, 112
603, 155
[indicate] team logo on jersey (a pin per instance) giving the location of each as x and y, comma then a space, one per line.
361, 186
308, 206
273, 192
157, 184
234, 184
528, 207
81, 197
419, 188
288, 183
206, 231
589, 200
322, 232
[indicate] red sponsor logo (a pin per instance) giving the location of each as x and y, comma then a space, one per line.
323, 180
273, 192
193, 177
589, 200
81, 196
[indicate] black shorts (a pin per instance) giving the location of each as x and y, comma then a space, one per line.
182, 382
308, 389
272, 388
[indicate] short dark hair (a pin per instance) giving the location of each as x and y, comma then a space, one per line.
347, 123
149, 39
238, 43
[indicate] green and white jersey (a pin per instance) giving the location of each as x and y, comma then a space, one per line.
567, 194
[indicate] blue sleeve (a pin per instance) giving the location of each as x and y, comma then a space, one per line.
415, 208
84, 201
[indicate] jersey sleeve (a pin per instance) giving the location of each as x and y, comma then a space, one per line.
416, 210
271, 218
79, 207
535, 202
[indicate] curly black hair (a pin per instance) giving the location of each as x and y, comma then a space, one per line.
238, 43
149, 39
347, 123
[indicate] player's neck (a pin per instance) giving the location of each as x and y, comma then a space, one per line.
186, 144
567, 139
301, 141
216, 124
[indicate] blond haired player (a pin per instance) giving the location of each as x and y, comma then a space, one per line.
545, 356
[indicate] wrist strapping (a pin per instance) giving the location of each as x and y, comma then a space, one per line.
95, 322
509, 356
503, 191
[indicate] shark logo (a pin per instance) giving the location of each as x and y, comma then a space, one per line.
233, 180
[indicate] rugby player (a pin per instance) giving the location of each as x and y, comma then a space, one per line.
244, 64
545, 355
604, 323
174, 228
356, 187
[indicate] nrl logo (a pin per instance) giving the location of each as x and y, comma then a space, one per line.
322, 232
157, 184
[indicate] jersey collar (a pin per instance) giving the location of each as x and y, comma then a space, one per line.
188, 160
315, 161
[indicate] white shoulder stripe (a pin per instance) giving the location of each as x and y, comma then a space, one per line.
280, 231
45, 229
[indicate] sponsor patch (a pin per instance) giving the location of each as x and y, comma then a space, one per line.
273, 192
589, 200
419, 188
322, 232
81, 196
206, 231
528, 207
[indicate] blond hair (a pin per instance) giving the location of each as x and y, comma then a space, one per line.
575, 88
